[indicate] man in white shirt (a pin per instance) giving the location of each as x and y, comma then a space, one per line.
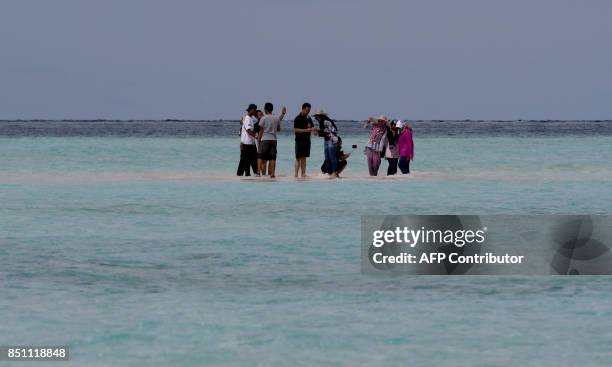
248, 149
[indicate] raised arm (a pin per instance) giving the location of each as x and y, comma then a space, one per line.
371, 121
280, 118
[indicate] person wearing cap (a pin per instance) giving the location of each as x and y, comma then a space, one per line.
374, 146
248, 149
302, 126
329, 131
268, 127
406, 148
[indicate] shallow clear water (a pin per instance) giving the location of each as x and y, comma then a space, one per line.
148, 251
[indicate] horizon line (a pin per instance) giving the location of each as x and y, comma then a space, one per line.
344, 120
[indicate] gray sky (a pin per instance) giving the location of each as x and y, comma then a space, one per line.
429, 59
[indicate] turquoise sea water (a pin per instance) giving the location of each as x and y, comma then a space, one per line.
140, 251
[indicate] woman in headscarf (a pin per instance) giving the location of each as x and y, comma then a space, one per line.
329, 131
406, 148
374, 147
390, 146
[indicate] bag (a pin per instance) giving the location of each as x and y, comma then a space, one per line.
326, 167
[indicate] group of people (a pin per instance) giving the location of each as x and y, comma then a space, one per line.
258, 140
391, 140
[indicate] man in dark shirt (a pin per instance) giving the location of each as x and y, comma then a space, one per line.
303, 127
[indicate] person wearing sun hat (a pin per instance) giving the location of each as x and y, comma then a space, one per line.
374, 147
329, 131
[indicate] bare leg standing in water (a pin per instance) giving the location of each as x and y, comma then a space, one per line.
269, 126
272, 168
302, 125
